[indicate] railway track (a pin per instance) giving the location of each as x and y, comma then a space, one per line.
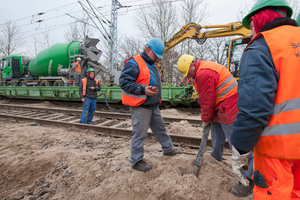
114, 124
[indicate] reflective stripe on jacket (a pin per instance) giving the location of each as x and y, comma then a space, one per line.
143, 78
78, 68
281, 138
84, 81
227, 85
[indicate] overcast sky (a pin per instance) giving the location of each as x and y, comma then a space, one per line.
24, 13
55, 21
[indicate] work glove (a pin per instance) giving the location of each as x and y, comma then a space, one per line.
239, 161
206, 124
259, 179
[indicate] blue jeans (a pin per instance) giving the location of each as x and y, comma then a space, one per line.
248, 174
143, 118
220, 132
77, 79
89, 107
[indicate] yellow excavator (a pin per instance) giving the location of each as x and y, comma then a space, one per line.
235, 46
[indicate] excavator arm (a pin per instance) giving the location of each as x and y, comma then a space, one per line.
192, 31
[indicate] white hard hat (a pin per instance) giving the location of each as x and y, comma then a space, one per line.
78, 59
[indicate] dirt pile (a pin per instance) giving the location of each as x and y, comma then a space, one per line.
43, 162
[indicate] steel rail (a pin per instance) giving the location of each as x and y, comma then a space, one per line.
180, 140
111, 115
103, 125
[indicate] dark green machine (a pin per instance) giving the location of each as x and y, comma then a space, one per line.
52, 66
46, 63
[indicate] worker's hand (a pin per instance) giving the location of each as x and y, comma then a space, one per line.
92, 88
239, 161
83, 100
150, 90
206, 124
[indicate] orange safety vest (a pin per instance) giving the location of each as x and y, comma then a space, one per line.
143, 78
78, 68
227, 85
185, 80
281, 138
84, 81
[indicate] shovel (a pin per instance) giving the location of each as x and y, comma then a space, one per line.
199, 157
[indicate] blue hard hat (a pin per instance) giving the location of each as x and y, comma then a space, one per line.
157, 47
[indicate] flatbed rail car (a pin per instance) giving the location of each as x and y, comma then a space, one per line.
171, 95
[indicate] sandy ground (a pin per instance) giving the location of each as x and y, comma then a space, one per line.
46, 162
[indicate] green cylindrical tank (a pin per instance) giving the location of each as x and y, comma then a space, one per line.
48, 60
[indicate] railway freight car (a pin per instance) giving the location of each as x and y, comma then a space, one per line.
171, 95
47, 76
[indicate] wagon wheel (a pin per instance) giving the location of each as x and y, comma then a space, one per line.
59, 83
45, 83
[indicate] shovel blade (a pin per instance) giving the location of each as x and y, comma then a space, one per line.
195, 170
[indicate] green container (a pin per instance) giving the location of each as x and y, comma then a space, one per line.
48, 60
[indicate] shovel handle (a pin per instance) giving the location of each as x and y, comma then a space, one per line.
201, 151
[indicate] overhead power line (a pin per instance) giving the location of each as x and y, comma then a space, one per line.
39, 13
100, 16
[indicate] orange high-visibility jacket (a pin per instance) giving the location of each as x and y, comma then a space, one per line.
281, 138
84, 81
185, 80
143, 78
227, 85
78, 68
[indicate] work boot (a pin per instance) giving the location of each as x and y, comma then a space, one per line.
142, 166
172, 153
242, 191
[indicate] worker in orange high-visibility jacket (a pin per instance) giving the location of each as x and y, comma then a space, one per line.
217, 96
268, 121
141, 90
88, 95
76, 68
186, 81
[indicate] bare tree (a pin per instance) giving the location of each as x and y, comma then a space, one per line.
34, 48
193, 11
46, 40
10, 39
79, 30
217, 50
158, 21
128, 47
72, 34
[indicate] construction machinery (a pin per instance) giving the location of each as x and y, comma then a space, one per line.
234, 47
49, 72
52, 66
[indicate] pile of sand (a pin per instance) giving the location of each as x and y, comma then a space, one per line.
184, 128
46, 162
179, 114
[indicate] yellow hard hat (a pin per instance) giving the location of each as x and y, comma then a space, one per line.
184, 64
